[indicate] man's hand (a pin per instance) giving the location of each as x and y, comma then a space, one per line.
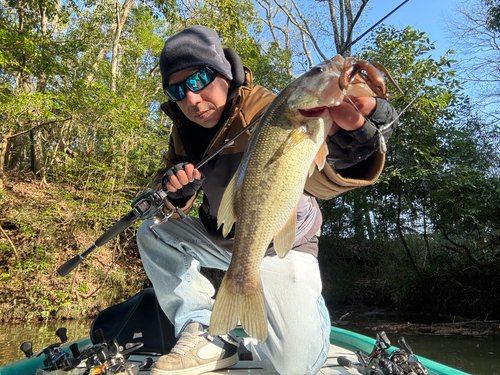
182, 181
358, 133
346, 117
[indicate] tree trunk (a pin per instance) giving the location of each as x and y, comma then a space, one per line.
120, 22
357, 222
341, 18
36, 152
15, 151
4, 140
401, 235
426, 239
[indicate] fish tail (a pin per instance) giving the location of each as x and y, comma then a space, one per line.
245, 305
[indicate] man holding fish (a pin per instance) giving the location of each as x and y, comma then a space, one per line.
259, 219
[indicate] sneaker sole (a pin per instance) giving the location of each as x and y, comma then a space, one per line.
207, 367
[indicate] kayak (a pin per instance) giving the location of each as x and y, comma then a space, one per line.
343, 358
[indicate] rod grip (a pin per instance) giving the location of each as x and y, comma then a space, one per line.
343, 361
116, 229
70, 265
112, 232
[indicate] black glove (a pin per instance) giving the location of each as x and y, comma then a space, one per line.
347, 148
187, 190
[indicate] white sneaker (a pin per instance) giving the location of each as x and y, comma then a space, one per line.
196, 352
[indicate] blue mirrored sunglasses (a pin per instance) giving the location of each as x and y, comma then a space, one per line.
199, 80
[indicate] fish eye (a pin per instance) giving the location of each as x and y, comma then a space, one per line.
317, 69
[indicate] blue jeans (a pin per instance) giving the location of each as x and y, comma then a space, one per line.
298, 320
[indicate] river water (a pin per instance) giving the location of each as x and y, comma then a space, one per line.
39, 333
473, 355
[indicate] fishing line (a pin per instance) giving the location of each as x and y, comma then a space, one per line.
382, 145
371, 28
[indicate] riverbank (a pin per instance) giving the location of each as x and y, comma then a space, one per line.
394, 322
45, 224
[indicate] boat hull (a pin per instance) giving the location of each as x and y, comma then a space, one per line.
343, 343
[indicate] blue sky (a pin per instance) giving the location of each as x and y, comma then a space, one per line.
424, 15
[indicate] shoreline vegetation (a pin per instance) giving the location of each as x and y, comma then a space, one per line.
45, 224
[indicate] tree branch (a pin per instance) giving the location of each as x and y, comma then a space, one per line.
11, 243
466, 249
36, 127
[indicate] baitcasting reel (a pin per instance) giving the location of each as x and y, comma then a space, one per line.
149, 205
110, 358
100, 359
381, 362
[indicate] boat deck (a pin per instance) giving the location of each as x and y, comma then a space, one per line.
261, 365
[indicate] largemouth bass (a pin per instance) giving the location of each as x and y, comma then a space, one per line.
286, 146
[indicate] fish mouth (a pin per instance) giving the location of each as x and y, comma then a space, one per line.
312, 112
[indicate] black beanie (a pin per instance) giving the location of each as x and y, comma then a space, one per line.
194, 47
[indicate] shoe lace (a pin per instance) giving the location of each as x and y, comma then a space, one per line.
187, 341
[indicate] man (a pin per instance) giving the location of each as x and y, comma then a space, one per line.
211, 98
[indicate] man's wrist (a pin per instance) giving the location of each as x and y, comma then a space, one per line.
347, 148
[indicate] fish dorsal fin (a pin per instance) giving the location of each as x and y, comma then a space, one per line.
227, 214
284, 239
319, 159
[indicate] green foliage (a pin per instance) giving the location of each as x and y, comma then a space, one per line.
51, 226
98, 137
237, 24
493, 14
435, 207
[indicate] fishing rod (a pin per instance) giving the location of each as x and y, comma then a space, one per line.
147, 205
371, 28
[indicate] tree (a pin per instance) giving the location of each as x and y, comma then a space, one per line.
305, 30
433, 209
28, 47
94, 70
493, 14
475, 32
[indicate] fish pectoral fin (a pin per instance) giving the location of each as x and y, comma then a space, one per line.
227, 214
319, 159
246, 305
284, 239
295, 137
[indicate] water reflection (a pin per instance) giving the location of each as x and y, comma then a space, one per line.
473, 355
40, 334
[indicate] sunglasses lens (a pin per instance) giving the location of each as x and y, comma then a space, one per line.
175, 92
199, 80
